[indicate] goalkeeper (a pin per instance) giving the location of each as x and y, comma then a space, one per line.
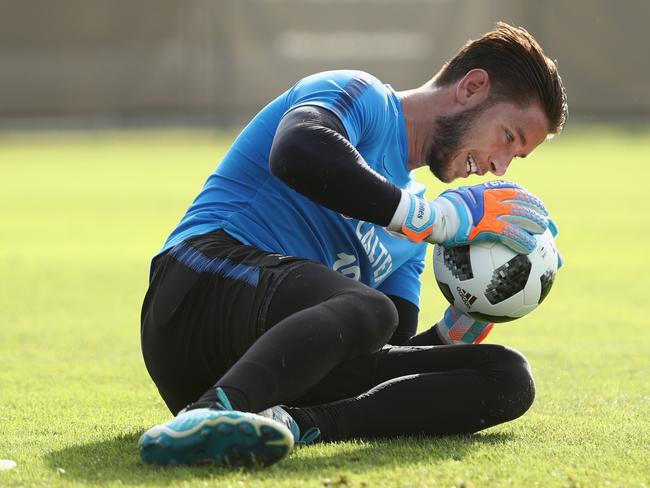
284, 306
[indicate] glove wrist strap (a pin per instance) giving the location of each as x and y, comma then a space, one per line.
444, 216
401, 212
443, 333
413, 218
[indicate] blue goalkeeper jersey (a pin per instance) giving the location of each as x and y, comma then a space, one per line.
247, 201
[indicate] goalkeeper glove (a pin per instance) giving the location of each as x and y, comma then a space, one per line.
493, 211
457, 328
552, 226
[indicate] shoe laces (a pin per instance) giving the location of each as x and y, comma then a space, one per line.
222, 400
222, 403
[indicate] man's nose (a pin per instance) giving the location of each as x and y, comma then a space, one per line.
499, 165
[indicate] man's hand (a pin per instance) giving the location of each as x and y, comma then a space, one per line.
457, 328
493, 211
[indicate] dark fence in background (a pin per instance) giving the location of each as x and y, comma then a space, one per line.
221, 61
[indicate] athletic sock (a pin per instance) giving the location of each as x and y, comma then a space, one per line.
209, 399
321, 418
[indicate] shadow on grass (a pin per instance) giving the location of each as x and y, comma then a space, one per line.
117, 459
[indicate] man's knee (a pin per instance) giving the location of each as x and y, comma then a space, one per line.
514, 384
374, 316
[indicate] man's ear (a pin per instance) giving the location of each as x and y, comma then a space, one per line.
473, 88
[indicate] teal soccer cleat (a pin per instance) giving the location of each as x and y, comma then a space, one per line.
218, 435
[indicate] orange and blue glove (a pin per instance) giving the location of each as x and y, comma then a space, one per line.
457, 328
493, 211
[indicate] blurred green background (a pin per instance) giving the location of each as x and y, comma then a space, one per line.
84, 212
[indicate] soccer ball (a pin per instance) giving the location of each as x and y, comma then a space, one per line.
490, 282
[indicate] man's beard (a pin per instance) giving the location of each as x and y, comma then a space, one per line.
449, 132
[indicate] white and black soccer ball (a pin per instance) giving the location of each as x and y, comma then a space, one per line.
490, 282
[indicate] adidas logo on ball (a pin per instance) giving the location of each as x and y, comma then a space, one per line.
467, 298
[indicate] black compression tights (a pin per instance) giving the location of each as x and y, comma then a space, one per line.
317, 320
427, 389
323, 357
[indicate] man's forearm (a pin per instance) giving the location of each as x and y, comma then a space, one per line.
312, 155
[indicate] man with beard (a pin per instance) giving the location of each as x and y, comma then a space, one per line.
284, 306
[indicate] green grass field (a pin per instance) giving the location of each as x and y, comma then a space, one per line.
81, 215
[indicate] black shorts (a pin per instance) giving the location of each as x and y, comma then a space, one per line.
207, 303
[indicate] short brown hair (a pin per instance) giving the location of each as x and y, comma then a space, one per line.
519, 71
